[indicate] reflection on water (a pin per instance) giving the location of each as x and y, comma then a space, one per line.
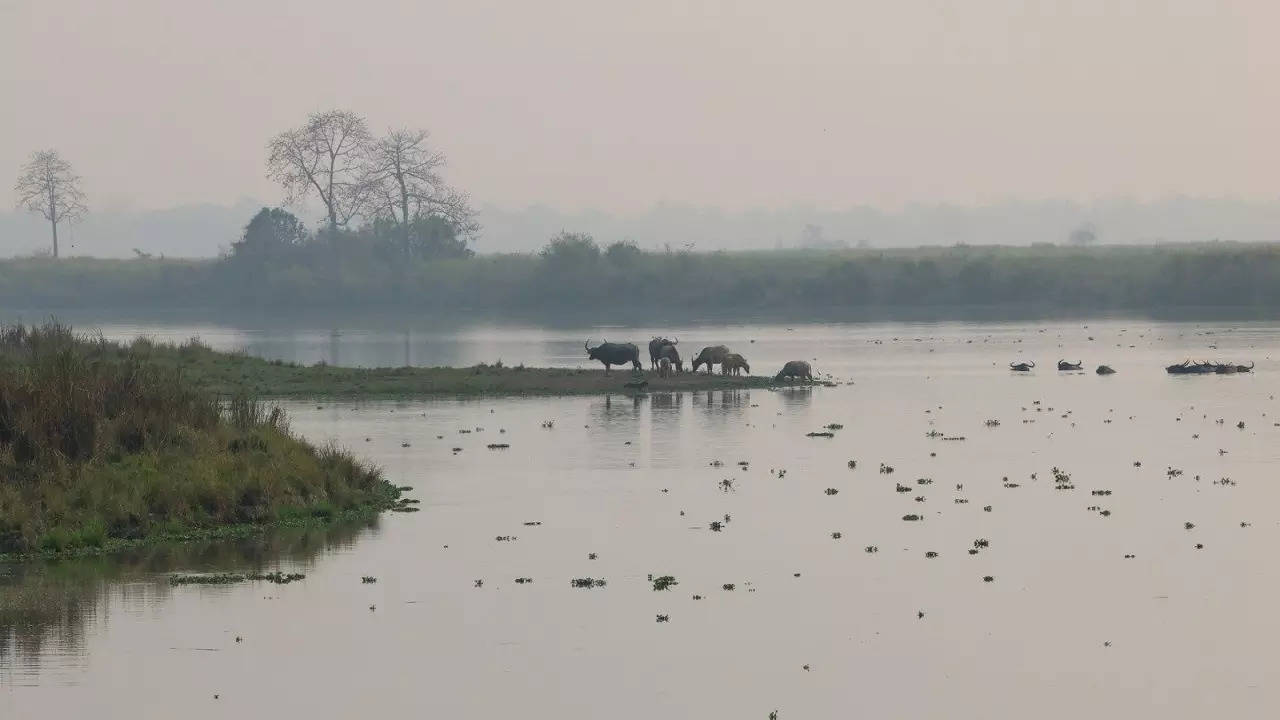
1130, 588
46, 606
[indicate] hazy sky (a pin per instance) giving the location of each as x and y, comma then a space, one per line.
619, 105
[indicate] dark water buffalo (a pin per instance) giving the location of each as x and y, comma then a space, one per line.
1022, 367
1064, 365
1105, 370
614, 354
711, 355
795, 369
655, 349
734, 364
672, 356
1186, 367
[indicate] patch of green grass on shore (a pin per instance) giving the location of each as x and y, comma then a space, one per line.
102, 447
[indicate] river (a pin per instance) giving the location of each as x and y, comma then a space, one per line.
1139, 583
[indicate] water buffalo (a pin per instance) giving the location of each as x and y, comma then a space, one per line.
1186, 367
734, 364
1245, 368
655, 349
711, 355
795, 369
1064, 365
614, 354
671, 355
1021, 367
1105, 370
664, 367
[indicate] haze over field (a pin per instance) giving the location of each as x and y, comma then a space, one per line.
723, 125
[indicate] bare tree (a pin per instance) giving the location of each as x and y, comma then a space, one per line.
404, 173
48, 186
327, 156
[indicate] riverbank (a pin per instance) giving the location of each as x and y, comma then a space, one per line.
102, 446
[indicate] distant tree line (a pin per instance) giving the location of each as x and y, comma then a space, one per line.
279, 265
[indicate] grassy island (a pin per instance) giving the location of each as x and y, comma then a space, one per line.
101, 447
240, 374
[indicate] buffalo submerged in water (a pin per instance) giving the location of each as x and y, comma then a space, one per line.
614, 354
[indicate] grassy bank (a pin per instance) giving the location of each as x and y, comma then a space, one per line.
864, 282
101, 446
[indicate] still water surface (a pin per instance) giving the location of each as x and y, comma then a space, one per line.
1067, 627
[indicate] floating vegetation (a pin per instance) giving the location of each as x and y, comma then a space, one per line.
992, 423
823, 434
853, 464
931, 554
836, 536
728, 587
911, 518
871, 549
726, 485
664, 618
666, 582
716, 526
497, 446
834, 426
506, 538
523, 580
899, 487
924, 481
587, 583
368, 579
276, 577
533, 523
886, 469
830, 491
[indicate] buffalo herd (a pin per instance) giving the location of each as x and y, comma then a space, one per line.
665, 359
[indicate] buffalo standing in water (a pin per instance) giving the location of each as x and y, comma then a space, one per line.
614, 354
1022, 367
655, 349
711, 355
795, 369
734, 364
1064, 365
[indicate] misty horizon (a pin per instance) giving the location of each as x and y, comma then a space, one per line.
584, 108
207, 229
